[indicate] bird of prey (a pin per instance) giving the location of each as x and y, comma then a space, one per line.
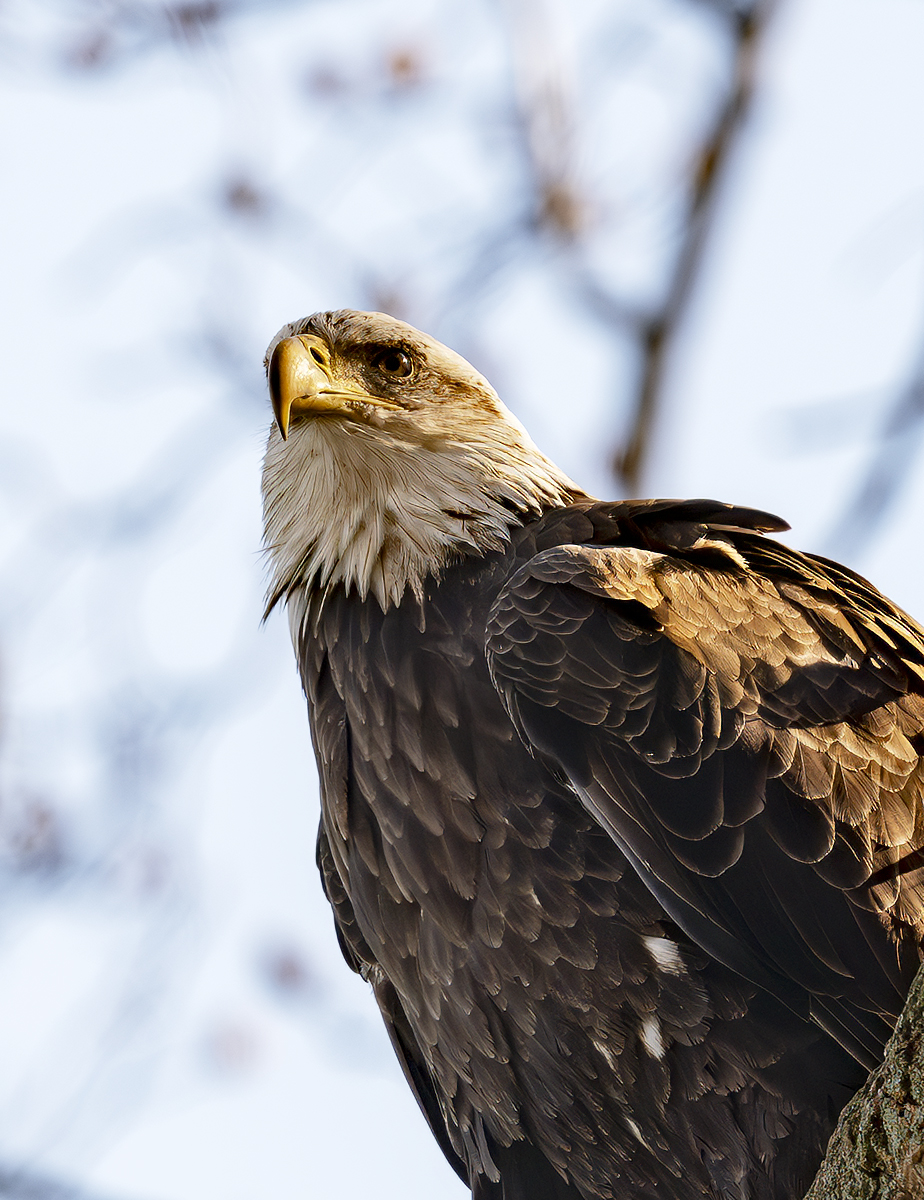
621, 802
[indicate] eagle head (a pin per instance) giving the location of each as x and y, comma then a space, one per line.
390, 457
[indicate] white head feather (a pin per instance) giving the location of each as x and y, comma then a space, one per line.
378, 499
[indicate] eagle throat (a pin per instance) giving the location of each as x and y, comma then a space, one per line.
379, 510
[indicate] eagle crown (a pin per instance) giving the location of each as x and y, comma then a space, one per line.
401, 459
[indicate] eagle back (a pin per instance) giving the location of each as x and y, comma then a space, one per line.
528, 959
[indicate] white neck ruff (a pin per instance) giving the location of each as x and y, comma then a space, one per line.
379, 507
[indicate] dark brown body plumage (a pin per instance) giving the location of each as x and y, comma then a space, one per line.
614, 821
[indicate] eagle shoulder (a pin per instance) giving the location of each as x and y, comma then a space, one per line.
745, 721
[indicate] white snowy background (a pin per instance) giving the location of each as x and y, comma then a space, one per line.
179, 180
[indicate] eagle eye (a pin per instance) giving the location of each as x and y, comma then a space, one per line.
394, 363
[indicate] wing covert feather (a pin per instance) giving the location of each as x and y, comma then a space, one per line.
747, 726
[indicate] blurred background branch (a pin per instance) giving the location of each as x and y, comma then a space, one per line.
893, 457
19, 1185
746, 28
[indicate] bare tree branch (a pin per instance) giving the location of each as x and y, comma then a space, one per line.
888, 470
659, 331
23, 1185
548, 127
877, 1151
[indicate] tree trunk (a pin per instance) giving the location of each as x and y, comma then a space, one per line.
877, 1151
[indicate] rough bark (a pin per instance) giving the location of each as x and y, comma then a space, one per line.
877, 1151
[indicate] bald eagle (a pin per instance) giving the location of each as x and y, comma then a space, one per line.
620, 801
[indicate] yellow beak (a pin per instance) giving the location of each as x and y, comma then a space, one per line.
300, 383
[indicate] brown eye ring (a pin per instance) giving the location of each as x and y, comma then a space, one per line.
394, 363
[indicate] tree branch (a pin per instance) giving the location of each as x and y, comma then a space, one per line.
877, 1151
890, 466
23, 1185
659, 331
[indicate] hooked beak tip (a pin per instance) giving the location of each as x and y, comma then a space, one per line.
291, 371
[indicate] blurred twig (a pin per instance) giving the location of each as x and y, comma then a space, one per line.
23, 1185
110, 33
658, 332
889, 468
546, 113
548, 127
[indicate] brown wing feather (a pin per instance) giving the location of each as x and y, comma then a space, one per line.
557, 1028
746, 721
360, 958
